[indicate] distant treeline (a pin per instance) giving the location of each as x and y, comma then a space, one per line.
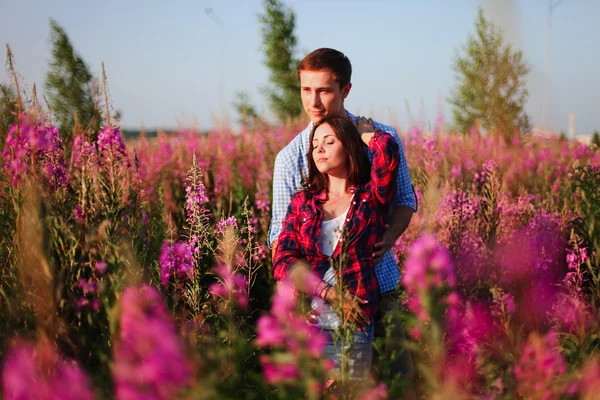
135, 133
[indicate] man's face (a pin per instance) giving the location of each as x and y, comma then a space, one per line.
322, 95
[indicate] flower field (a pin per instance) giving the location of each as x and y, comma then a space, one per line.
139, 269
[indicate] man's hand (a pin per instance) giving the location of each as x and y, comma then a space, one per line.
274, 250
386, 243
366, 129
400, 219
349, 309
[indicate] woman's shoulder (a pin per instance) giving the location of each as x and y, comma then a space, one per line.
307, 196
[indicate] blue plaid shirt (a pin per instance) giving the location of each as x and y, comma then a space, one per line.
291, 164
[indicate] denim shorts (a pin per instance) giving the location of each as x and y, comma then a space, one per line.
360, 356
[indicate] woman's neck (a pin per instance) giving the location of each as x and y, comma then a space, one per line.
338, 187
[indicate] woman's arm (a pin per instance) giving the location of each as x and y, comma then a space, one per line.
385, 160
384, 168
288, 250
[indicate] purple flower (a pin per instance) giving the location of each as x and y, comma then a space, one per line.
101, 267
262, 201
289, 335
223, 224
149, 359
269, 333
84, 153
195, 198
540, 365
176, 260
39, 373
15, 154
110, 146
43, 144
278, 371
79, 214
428, 265
232, 286
52, 158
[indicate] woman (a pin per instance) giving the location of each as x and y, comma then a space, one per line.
333, 225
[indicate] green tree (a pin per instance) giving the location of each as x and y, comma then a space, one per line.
491, 84
279, 42
248, 115
596, 139
69, 86
8, 111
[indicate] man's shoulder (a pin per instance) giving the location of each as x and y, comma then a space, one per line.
378, 125
385, 128
295, 147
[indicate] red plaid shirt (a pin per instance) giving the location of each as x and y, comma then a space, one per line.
363, 227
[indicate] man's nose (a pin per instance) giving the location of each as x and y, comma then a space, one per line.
316, 100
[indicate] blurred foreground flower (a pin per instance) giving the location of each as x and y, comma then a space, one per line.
232, 286
149, 360
540, 367
428, 271
33, 372
297, 347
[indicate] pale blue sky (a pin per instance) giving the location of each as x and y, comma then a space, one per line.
163, 58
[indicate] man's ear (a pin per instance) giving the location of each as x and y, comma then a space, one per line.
346, 90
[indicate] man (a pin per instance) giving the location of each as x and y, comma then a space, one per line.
324, 78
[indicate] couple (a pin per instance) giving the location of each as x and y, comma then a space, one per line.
333, 201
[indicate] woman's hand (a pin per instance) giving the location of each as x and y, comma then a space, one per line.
351, 310
365, 128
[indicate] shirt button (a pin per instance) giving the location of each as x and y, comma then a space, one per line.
303, 219
347, 219
364, 200
353, 202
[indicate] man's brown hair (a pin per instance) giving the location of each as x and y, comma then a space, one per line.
328, 59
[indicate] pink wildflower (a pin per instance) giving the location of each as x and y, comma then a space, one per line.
149, 360
279, 371
175, 260
39, 373
232, 286
539, 366
223, 224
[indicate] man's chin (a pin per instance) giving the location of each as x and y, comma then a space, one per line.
316, 118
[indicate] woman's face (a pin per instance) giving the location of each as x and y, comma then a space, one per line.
328, 152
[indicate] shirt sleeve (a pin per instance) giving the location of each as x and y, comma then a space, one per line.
384, 169
405, 193
289, 249
283, 189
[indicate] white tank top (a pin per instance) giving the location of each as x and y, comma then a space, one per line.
331, 230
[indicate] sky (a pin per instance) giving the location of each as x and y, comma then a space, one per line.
170, 63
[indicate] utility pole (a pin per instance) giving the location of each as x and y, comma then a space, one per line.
552, 4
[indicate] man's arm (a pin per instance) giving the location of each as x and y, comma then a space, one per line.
404, 204
399, 219
283, 189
